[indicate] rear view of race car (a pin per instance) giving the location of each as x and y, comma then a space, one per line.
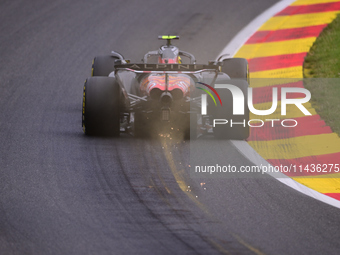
161, 95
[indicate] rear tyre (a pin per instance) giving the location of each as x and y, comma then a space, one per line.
101, 107
234, 127
236, 68
103, 65
191, 128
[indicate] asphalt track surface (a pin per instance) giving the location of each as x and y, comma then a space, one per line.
64, 193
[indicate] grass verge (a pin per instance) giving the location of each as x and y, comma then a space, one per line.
323, 61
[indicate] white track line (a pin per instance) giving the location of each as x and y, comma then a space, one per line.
237, 42
244, 148
233, 46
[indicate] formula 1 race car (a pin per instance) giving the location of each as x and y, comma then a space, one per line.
167, 92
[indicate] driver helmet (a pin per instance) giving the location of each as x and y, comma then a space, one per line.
169, 54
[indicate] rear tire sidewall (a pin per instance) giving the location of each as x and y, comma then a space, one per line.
103, 65
236, 68
191, 126
101, 107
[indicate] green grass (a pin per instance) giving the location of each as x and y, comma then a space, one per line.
323, 61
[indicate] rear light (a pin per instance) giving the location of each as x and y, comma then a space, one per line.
165, 114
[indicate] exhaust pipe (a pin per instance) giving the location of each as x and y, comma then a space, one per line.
177, 94
166, 98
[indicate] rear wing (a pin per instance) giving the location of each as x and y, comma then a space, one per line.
169, 68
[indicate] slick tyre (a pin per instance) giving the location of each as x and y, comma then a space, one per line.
191, 127
236, 68
101, 107
228, 125
103, 65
